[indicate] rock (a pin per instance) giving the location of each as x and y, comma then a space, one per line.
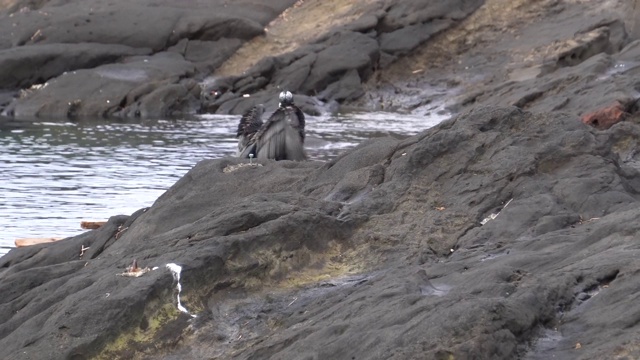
28, 65
337, 63
209, 27
537, 56
505, 232
294, 76
144, 24
408, 24
343, 52
586, 72
347, 88
103, 91
408, 38
341, 61
239, 105
57, 38
162, 102
630, 52
387, 235
71, 36
606, 117
208, 55
608, 38
406, 13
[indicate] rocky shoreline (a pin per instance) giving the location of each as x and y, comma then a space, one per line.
156, 59
153, 59
506, 232
479, 238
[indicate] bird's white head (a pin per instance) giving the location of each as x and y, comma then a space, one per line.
286, 98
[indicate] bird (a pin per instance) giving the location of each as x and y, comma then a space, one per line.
281, 137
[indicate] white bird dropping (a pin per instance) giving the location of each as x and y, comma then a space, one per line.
175, 271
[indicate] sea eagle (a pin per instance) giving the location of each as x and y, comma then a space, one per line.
280, 138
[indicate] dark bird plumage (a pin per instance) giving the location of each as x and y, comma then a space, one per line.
250, 124
280, 138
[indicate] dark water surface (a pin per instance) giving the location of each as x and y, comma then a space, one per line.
53, 175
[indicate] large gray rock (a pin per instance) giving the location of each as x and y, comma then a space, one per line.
541, 56
143, 24
496, 235
333, 66
28, 65
209, 55
104, 90
576, 66
45, 40
326, 67
407, 24
343, 52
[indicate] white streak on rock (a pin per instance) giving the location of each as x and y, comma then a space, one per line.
175, 271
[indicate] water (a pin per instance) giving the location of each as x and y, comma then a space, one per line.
53, 175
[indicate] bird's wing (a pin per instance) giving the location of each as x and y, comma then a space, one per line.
280, 137
300, 116
251, 121
249, 125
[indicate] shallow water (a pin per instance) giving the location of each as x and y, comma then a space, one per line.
53, 175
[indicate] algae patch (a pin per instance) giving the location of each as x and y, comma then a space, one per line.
244, 301
277, 268
149, 336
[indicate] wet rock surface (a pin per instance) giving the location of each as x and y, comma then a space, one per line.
507, 232
62, 39
334, 66
498, 234
573, 56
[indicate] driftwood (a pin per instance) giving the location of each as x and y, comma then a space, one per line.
34, 241
91, 224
